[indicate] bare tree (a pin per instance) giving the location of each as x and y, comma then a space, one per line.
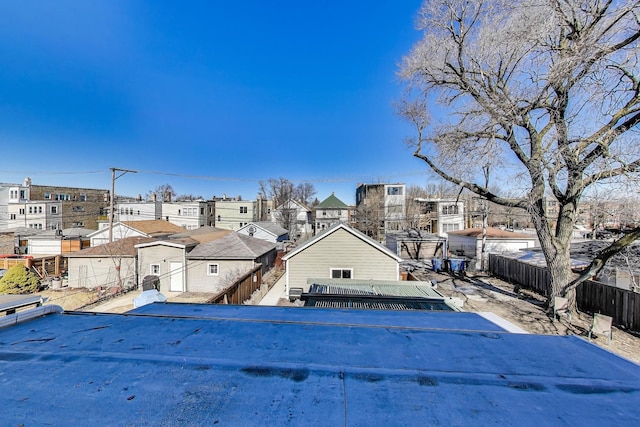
304, 192
548, 88
164, 193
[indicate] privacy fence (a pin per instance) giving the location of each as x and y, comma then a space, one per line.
593, 297
242, 289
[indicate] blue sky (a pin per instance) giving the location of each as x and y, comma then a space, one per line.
208, 96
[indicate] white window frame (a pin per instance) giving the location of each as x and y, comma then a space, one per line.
211, 264
151, 269
342, 270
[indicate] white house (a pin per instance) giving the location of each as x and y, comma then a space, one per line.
294, 216
341, 252
144, 228
467, 243
265, 230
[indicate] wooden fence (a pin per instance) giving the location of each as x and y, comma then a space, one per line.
242, 289
592, 297
45, 266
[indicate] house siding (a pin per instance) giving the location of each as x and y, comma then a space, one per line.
199, 281
162, 255
100, 271
340, 249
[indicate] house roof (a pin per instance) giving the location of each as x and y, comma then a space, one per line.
492, 233
202, 234
333, 229
66, 233
204, 364
154, 227
121, 247
289, 202
232, 246
268, 226
332, 202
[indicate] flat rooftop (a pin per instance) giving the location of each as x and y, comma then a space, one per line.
192, 364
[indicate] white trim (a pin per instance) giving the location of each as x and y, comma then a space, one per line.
345, 227
209, 273
160, 243
332, 269
151, 269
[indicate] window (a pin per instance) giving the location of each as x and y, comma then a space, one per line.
47, 196
78, 224
30, 209
243, 209
39, 209
13, 216
450, 227
54, 209
341, 273
23, 194
450, 209
78, 208
219, 218
212, 269
154, 269
83, 197
21, 211
201, 211
394, 191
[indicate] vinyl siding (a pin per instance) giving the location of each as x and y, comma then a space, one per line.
161, 255
340, 249
199, 281
93, 272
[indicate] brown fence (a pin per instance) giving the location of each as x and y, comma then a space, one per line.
526, 275
47, 266
593, 297
242, 289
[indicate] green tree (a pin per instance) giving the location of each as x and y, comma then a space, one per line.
19, 280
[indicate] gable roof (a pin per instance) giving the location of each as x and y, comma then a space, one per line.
120, 247
366, 239
289, 202
232, 246
492, 233
154, 227
269, 227
332, 202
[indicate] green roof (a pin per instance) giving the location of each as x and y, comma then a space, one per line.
331, 202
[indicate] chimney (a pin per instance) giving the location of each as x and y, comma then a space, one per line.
139, 198
27, 182
153, 197
167, 196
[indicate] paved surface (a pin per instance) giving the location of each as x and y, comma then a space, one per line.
275, 293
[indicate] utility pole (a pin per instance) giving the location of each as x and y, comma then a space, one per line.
112, 196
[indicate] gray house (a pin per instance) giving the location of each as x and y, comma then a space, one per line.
213, 266
341, 252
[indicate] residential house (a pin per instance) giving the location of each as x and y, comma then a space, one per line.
51, 207
340, 252
233, 213
203, 262
440, 216
215, 265
330, 212
145, 228
265, 230
190, 214
380, 209
296, 217
467, 243
58, 242
110, 265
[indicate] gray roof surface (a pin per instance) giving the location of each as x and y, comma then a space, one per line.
271, 227
232, 246
191, 364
